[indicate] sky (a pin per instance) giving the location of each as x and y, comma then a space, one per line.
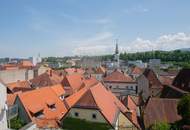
90, 27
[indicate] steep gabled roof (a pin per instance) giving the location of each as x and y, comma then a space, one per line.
97, 97
19, 86
152, 78
74, 70
86, 101
46, 79
38, 100
160, 110
182, 80
74, 81
118, 76
58, 89
137, 70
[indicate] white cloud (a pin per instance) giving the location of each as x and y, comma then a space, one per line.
96, 45
164, 42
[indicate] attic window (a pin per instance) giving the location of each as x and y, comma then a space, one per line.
52, 107
62, 97
39, 114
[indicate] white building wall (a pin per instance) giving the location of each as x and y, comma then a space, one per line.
9, 76
3, 107
122, 88
87, 115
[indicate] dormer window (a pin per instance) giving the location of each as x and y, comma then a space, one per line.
52, 107
51, 104
62, 97
39, 114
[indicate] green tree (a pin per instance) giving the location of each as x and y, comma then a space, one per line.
160, 126
183, 109
16, 123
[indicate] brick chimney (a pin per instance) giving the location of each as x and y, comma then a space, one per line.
50, 73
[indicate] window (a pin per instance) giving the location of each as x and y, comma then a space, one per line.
39, 114
131, 87
76, 114
93, 116
52, 107
62, 97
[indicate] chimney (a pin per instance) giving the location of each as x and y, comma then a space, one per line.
50, 73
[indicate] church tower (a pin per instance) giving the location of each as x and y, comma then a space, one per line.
116, 55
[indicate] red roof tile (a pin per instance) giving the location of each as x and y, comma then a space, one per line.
137, 70
91, 97
19, 86
118, 76
58, 89
159, 110
46, 79
41, 97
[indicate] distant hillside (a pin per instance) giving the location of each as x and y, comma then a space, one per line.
185, 49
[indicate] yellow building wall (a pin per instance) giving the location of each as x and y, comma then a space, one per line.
87, 115
124, 123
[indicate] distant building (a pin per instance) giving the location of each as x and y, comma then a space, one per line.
138, 63
36, 60
116, 56
120, 84
154, 64
149, 85
136, 72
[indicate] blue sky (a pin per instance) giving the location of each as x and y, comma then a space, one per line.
89, 27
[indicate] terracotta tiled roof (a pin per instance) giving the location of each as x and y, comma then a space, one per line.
37, 100
90, 81
160, 110
137, 70
74, 70
118, 76
131, 104
74, 81
71, 100
26, 64
58, 89
19, 86
97, 97
152, 78
46, 79
11, 99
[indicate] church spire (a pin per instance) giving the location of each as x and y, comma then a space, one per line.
116, 48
